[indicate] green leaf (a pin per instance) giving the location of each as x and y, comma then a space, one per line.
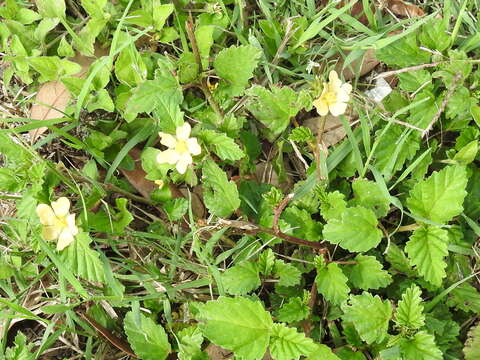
396, 257
236, 64
369, 195
370, 316
82, 260
87, 36
224, 146
94, 8
426, 250
51, 8
413, 80
65, 49
237, 324
301, 134
403, 52
421, 346
288, 344
53, 68
322, 352
266, 261
332, 283
160, 14
395, 147
409, 312
276, 107
132, 71
148, 340
187, 67
440, 197
332, 205
294, 310
367, 273
434, 35
467, 154
22, 349
356, 231
176, 208
241, 278
465, 297
220, 195
204, 37
472, 345
288, 274
163, 95
191, 340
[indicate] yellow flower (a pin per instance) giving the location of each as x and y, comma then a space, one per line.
334, 97
58, 223
180, 148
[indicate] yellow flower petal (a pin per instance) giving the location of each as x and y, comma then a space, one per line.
183, 132
338, 108
321, 106
61, 207
50, 233
167, 140
71, 224
193, 146
65, 239
346, 88
183, 163
46, 214
168, 157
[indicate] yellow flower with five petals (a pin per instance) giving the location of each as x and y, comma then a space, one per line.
334, 97
58, 223
180, 148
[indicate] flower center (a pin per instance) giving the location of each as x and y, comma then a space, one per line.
61, 222
330, 97
181, 147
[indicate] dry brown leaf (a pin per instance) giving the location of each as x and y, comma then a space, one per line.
404, 9
334, 131
52, 97
360, 66
136, 177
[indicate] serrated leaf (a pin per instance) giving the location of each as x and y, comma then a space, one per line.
369, 195
148, 340
294, 310
440, 197
176, 208
403, 52
220, 195
368, 273
322, 352
426, 250
301, 134
237, 324
399, 261
370, 316
410, 309
22, 349
83, 260
224, 146
266, 261
356, 231
332, 205
242, 278
288, 274
472, 345
53, 68
236, 64
275, 108
162, 95
465, 297
332, 283
421, 346
288, 344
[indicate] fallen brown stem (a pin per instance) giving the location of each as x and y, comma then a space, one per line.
279, 210
254, 229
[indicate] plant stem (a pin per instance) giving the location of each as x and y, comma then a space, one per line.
321, 129
254, 229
